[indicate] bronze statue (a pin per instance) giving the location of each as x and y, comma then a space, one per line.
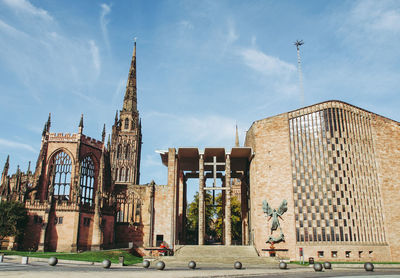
275, 214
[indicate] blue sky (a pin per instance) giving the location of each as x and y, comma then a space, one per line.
202, 67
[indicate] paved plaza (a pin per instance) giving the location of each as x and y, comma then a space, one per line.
11, 267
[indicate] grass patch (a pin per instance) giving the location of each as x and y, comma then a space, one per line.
88, 256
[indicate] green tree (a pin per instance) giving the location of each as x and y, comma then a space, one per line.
192, 218
214, 219
13, 219
236, 220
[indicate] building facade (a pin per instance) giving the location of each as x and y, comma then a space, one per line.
331, 168
84, 194
337, 166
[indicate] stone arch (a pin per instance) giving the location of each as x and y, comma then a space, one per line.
60, 173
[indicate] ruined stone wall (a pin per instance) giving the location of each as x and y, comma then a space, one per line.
163, 213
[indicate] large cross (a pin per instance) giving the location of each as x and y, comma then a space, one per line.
214, 164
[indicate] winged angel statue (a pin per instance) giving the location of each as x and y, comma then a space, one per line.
275, 214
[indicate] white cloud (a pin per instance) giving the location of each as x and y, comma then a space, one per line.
265, 64
94, 50
5, 144
376, 15
105, 10
26, 7
11, 31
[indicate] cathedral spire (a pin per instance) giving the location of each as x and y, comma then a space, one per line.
130, 99
7, 164
116, 118
237, 138
81, 124
5, 171
103, 134
44, 129
108, 142
48, 123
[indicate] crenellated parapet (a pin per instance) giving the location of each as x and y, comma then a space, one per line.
61, 137
36, 205
92, 142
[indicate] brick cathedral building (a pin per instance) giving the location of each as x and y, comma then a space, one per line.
336, 165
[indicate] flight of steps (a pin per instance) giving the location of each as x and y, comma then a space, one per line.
216, 254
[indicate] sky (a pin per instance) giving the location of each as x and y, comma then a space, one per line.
202, 67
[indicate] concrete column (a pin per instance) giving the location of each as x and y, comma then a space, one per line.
228, 236
201, 200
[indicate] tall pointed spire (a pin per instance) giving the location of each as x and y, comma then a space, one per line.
103, 134
81, 124
5, 171
44, 129
116, 118
237, 138
130, 99
48, 123
7, 162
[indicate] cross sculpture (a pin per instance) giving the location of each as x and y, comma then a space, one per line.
275, 214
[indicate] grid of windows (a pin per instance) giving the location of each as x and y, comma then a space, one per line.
334, 175
62, 175
87, 180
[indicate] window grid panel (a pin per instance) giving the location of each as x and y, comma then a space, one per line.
333, 159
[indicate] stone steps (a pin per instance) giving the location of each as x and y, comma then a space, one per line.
216, 254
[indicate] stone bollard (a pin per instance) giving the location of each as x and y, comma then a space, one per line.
1, 257
53, 261
160, 265
24, 260
327, 265
317, 267
192, 264
106, 263
146, 264
238, 265
369, 267
121, 260
282, 265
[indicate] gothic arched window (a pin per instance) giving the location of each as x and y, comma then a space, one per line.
127, 123
127, 174
127, 151
122, 174
116, 174
62, 175
119, 151
87, 181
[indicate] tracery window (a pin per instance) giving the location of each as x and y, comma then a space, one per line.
127, 151
127, 174
119, 151
62, 175
122, 174
116, 174
87, 180
126, 123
